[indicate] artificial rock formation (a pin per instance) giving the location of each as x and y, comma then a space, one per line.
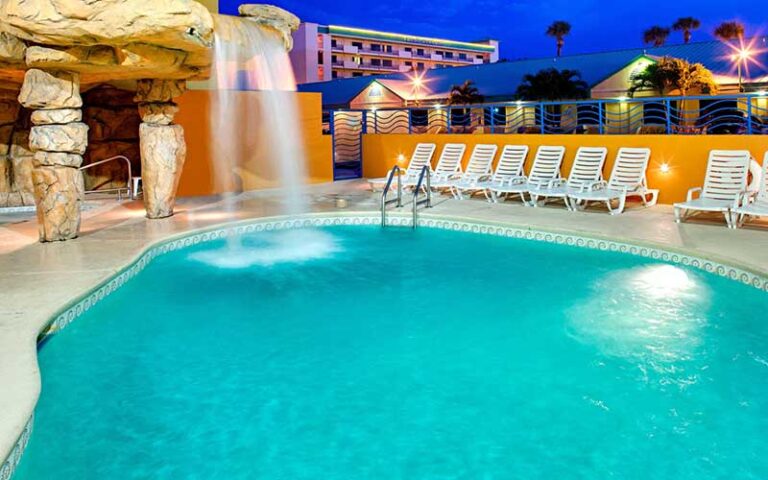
58, 182
163, 149
275, 18
51, 49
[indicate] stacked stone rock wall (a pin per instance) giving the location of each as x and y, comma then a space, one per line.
15, 157
163, 149
113, 121
59, 139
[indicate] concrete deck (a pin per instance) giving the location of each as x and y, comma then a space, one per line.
36, 279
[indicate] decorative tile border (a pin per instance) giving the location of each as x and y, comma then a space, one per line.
14, 458
83, 304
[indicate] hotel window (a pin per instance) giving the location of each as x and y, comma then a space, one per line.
320, 58
334, 74
420, 52
419, 66
375, 47
357, 44
357, 60
462, 56
375, 62
448, 54
333, 43
388, 48
409, 64
334, 59
409, 49
357, 74
438, 52
479, 57
387, 63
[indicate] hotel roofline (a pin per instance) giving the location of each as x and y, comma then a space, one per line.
404, 38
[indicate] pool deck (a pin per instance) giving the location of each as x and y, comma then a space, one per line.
37, 280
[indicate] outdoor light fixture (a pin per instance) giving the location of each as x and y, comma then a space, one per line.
742, 57
400, 158
438, 106
664, 167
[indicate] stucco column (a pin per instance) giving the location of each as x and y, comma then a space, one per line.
163, 149
59, 139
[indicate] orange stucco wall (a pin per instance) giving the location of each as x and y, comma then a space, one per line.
194, 113
686, 155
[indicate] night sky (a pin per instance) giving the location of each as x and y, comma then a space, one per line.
520, 24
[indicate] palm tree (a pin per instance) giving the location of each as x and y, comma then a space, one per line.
656, 35
465, 94
553, 84
559, 30
686, 25
674, 75
728, 31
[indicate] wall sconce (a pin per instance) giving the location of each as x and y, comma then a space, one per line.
664, 167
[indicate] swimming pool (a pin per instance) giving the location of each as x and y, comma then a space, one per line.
400, 354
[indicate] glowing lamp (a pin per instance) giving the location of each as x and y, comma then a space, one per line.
745, 54
664, 167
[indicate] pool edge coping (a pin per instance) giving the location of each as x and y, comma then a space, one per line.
79, 304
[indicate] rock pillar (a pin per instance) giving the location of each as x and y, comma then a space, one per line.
163, 149
59, 139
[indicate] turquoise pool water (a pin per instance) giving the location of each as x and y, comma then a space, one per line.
394, 354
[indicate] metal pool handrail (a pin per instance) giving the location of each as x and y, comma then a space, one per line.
396, 170
426, 174
119, 189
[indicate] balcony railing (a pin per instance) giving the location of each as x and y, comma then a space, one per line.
743, 114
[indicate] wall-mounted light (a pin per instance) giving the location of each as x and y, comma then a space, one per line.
623, 99
664, 167
438, 106
400, 158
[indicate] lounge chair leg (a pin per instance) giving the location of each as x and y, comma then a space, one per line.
678, 215
622, 203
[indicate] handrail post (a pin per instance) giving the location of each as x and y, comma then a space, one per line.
749, 115
399, 189
375, 121
600, 120
543, 125
448, 119
668, 110
410, 121
493, 119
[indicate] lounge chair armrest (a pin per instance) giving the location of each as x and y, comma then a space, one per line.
589, 187
515, 180
745, 198
692, 191
557, 182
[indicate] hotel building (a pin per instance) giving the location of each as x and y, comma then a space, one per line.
326, 52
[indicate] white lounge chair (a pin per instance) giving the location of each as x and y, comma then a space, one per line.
628, 179
510, 167
587, 170
478, 170
448, 167
546, 167
754, 205
421, 157
726, 180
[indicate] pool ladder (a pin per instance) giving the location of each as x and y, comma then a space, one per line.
425, 178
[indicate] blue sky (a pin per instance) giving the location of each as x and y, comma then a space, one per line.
520, 24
